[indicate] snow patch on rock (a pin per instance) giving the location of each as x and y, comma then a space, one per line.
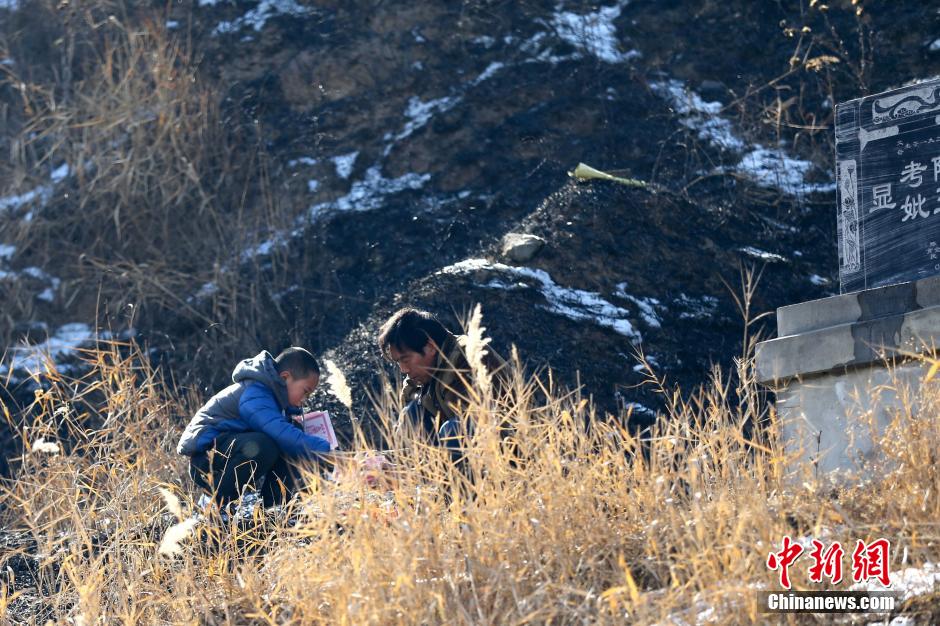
767, 257
257, 17
33, 358
344, 164
593, 34
420, 113
699, 307
488, 73
369, 194
648, 306
365, 195
17, 201
768, 167
575, 304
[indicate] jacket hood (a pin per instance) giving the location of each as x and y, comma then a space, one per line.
261, 368
450, 359
446, 352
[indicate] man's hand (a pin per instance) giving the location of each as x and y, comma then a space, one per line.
409, 389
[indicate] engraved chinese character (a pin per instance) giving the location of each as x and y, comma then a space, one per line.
912, 174
936, 168
914, 207
882, 197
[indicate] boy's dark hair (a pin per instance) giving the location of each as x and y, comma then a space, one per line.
298, 362
411, 329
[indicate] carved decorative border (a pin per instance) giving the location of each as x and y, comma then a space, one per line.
851, 256
899, 106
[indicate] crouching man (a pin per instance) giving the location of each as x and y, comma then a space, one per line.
437, 373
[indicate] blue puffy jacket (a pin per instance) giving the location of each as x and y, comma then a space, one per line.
256, 401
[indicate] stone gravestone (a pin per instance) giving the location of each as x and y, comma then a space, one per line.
888, 173
842, 366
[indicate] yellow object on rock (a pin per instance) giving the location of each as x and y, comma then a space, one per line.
586, 172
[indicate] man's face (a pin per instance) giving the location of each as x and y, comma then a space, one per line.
417, 365
299, 388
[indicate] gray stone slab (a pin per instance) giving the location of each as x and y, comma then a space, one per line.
863, 343
805, 354
830, 423
858, 306
817, 314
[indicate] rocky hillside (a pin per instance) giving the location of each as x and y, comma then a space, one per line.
221, 176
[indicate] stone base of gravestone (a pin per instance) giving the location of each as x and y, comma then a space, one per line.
843, 367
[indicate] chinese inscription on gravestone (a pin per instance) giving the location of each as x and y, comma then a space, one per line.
888, 173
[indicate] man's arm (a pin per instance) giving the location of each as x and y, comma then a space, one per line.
406, 395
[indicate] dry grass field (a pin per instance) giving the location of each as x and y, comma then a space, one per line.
558, 516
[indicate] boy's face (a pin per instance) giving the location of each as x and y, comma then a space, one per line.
299, 388
418, 366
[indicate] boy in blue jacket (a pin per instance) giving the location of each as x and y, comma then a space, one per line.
244, 436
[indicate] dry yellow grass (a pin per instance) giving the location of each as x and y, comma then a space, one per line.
577, 522
163, 187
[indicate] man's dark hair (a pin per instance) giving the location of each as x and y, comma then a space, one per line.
298, 362
411, 329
